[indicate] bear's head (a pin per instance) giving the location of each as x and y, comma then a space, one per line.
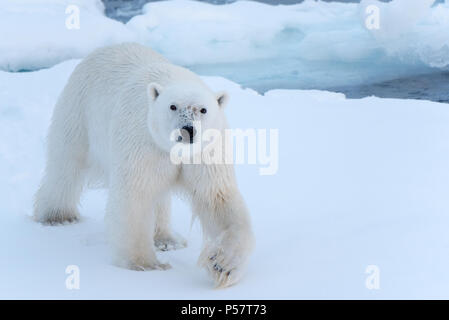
177, 113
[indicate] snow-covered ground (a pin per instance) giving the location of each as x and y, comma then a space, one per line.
360, 182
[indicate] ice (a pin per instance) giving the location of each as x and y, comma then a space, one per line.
313, 44
414, 30
360, 182
33, 33
309, 45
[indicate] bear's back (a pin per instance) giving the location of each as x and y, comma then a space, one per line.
119, 64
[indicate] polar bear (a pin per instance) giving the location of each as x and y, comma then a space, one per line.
112, 123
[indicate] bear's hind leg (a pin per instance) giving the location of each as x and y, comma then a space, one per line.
164, 238
57, 198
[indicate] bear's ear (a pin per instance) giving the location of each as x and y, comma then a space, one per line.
222, 99
154, 90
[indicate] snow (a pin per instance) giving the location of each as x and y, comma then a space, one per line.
360, 182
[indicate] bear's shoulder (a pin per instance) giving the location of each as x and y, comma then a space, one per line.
129, 52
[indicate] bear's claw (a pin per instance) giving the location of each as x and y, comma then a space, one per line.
58, 217
146, 267
169, 242
222, 273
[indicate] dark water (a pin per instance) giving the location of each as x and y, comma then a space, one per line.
123, 10
432, 86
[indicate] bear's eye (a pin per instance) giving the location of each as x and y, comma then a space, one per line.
173, 107
203, 110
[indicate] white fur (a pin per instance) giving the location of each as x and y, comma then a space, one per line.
111, 125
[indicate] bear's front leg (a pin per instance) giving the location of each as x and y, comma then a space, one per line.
225, 220
130, 220
165, 238
230, 240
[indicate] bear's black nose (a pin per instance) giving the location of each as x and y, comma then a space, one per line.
188, 132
